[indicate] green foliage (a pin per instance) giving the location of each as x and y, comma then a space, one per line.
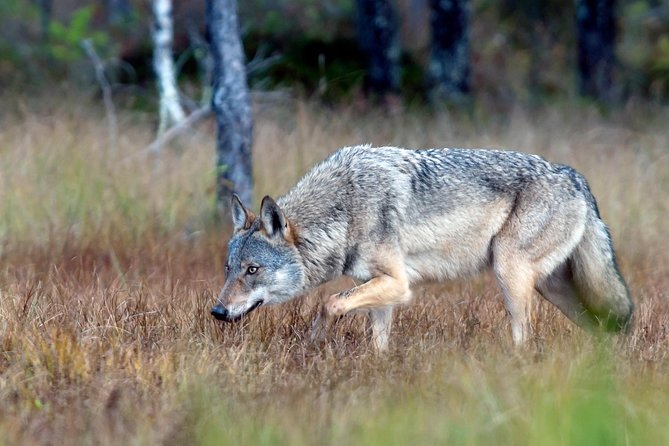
18, 8
329, 69
35, 48
644, 48
65, 38
659, 67
587, 411
321, 21
575, 396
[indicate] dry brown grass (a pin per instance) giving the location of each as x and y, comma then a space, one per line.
109, 264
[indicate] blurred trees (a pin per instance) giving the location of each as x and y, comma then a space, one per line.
231, 104
538, 30
379, 41
596, 39
520, 49
448, 68
45, 9
118, 11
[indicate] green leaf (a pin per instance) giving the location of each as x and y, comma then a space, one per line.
81, 19
57, 30
60, 52
100, 38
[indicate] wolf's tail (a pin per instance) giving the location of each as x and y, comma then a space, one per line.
599, 284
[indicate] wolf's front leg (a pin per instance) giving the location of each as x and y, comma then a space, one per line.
320, 325
381, 291
378, 295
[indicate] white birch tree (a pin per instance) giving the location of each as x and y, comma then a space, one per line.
171, 111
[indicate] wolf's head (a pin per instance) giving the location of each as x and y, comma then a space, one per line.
263, 266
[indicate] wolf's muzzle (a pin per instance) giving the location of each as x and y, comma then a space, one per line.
222, 314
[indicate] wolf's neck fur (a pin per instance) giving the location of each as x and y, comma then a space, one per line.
321, 253
320, 210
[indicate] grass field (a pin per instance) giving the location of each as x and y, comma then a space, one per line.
109, 263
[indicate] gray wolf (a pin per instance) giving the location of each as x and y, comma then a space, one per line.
392, 217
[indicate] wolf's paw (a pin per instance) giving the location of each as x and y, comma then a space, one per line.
336, 306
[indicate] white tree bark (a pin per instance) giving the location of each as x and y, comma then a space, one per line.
163, 64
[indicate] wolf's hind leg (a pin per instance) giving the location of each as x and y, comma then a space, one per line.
380, 321
558, 288
516, 279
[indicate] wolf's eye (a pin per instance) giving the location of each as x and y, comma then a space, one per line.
252, 269
227, 268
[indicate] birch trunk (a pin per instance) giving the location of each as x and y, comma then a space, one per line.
230, 102
163, 65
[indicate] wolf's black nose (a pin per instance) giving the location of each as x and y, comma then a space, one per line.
220, 313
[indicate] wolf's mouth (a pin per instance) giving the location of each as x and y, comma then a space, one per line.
254, 306
223, 315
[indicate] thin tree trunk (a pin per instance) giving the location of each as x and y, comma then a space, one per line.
379, 41
596, 47
99, 67
163, 64
448, 69
230, 102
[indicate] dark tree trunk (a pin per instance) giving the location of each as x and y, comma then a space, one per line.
45, 10
596, 39
448, 70
379, 41
230, 102
118, 11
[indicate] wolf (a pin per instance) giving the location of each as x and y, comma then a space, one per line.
391, 217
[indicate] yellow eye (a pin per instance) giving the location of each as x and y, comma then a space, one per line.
252, 269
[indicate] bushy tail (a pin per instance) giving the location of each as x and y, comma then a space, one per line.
597, 278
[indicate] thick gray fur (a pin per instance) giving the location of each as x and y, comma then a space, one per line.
392, 217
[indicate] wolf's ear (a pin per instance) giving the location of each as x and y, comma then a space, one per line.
272, 218
241, 217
